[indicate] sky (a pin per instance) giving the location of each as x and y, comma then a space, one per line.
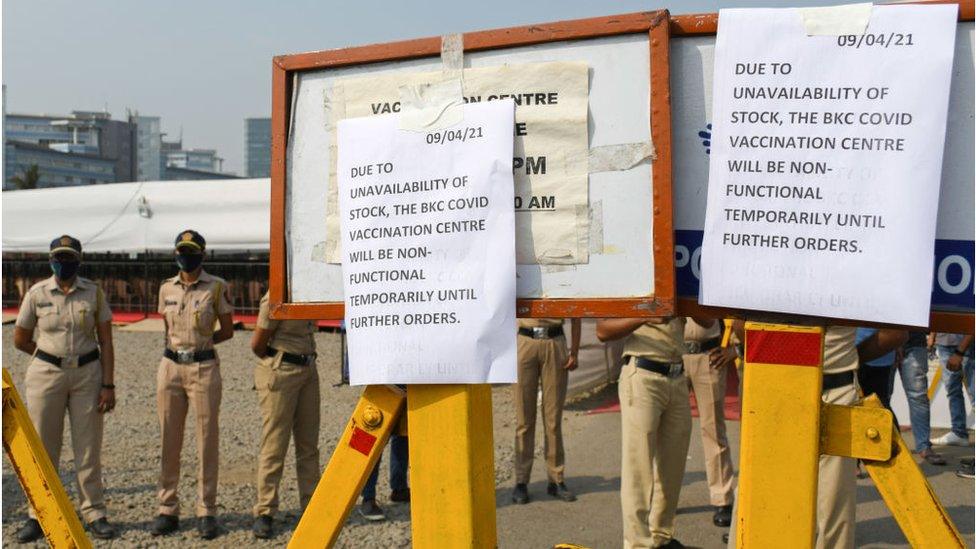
204, 66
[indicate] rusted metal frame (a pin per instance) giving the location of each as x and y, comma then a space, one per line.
707, 23
654, 23
703, 24
949, 322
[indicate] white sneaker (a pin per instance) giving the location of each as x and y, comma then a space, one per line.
950, 439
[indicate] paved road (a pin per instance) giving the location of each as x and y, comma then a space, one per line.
593, 469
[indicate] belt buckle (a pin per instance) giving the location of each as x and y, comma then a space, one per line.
184, 356
539, 332
694, 347
675, 369
70, 361
309, 359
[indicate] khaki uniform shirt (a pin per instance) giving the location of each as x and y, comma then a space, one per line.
695, 332
660, 342
291, 336
539, 322
840, 352
191, 310
65, 322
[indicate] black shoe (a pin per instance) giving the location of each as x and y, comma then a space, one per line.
101, 529
263, 527
722, 516
520, 494
966, 467
560, 491
165, 524
371, 512
30, 531
207, 527
672, 544
400, 496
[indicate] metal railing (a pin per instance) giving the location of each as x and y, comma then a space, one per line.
131, 282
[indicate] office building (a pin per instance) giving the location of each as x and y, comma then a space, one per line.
257, 147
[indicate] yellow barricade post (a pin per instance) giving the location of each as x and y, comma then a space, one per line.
37, 475
452, 466
780, 429
356, 453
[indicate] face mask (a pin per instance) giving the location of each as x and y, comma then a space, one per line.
64, 270
189, 262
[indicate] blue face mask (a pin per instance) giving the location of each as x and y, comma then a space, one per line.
64, 270
189, 262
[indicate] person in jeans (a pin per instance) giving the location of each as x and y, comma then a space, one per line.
955, 352
874, 374
913, 369
399, 490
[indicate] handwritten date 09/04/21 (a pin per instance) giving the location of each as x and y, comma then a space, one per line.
448, 135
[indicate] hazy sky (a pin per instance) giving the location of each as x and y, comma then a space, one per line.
204, 66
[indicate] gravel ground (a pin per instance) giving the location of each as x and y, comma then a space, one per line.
131, 451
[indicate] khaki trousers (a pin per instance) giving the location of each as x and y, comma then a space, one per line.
179, 386
540, 359
50, 391
837, 487
289, 400
655, 420
709, 387
836, 490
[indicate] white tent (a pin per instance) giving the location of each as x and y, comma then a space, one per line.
232, 214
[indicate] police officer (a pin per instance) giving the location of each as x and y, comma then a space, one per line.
706, 367
287, 383
193, 303
655, 420
72, 368
542, 355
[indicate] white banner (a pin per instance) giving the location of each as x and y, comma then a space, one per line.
428, 248
826, 157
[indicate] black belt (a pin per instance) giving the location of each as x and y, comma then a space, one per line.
56, 360
541, 332
189, 357
835, 381
694, 347
663, 368
291, 358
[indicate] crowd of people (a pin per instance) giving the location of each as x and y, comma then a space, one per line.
64, 324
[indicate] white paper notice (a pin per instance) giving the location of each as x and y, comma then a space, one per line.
428, 248
825, 164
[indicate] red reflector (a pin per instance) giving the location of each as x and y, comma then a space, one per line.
361, 441
793, 348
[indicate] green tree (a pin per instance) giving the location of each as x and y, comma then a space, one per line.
28, 180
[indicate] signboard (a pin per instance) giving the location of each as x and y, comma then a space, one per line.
591, 161
692, 57
826, 161
428, 246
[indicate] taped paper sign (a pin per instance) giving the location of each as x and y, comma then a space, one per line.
550, 163
825, 164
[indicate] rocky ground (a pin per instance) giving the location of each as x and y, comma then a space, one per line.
131, 450
131, 460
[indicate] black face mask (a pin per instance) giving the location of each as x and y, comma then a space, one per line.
189, 262
64, 270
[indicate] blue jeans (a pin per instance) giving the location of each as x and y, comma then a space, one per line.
954, 388
399, 463
914, 379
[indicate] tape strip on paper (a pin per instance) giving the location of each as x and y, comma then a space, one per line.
436, 105
612, 158
836, 20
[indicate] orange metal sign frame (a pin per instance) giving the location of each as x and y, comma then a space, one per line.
655, 24
703, 24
